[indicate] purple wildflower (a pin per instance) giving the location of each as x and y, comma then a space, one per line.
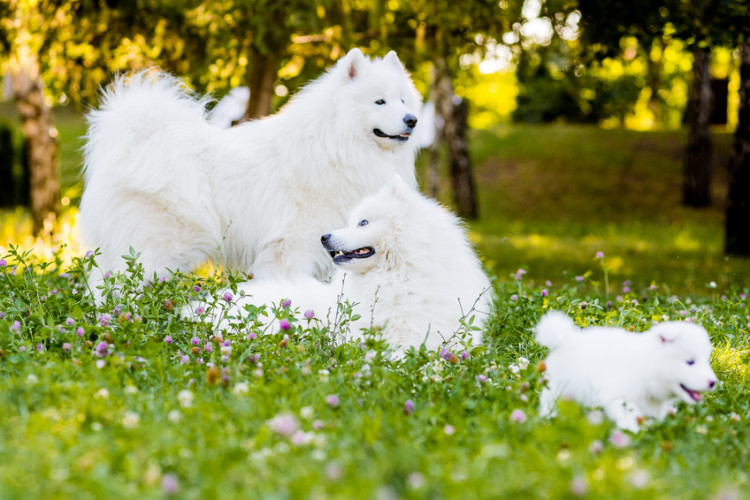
619, 439
40, 348
518, 415
409, 407
309, 314
227, 297
197, 288
16, 326
332, 400
514, 297
579, 279
285, 424
66, 347
286, 303
3, 262
544, 293
80, 331
69, 321
251, 336
185, 360
465, 355
284, 324
169, 484
104, 320
195, 341
168, 339
600, 255
207, 347
199, 311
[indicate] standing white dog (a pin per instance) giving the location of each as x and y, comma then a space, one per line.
405, 265
630, 375
159, 178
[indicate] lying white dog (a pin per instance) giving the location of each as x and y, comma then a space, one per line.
405, 265
257, 196
630, 375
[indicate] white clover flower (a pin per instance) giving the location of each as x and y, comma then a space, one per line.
514, 369
306, 412
130, 420
241, 388
130, 389
185, 398
102, 394
523, 363
174, 416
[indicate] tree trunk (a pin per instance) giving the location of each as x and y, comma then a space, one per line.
696, 183
737, 241
41, 136
261, 76
455, 126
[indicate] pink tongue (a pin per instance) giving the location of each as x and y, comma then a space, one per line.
695, 395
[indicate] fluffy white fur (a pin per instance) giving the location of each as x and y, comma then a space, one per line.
630, 375
409, 269
255, 197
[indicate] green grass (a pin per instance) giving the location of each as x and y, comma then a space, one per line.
128, 407
145, 415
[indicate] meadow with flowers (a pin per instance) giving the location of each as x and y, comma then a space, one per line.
141, 396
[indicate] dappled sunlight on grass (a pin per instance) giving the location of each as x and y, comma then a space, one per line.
731, 363
15, 229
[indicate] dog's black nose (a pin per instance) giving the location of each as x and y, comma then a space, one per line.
325, 237
410, 120
711, 384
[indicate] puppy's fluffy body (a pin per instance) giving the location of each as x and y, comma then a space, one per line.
159, 178
630, 375
405, 264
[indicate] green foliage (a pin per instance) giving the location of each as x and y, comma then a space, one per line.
135, 397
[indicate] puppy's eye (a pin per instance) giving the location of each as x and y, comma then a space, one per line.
363, 222
690, 362
402, 101
380, 102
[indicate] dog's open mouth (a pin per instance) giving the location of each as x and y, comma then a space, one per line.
694, 395
340, 256
402, 137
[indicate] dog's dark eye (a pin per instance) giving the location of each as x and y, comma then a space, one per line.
380, 102
363, 222
402, 101
691, 362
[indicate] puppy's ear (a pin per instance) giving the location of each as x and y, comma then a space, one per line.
393, 59
351, 64
398, 187
666, 333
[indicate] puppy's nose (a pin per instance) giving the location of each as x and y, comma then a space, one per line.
325, 237
410, 120
711, 384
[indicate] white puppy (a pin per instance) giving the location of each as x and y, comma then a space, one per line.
257, 196
630, 375
405, 265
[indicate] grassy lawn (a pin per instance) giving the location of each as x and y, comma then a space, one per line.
129, 400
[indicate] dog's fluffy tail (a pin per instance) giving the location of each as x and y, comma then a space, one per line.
553, 328
134, 109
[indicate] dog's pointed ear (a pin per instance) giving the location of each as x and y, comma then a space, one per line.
392, 58
666, 333
351, 64
398, 187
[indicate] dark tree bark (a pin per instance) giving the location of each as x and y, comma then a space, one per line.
455, 127
261, 77
696, 182
737, 240
41, 136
